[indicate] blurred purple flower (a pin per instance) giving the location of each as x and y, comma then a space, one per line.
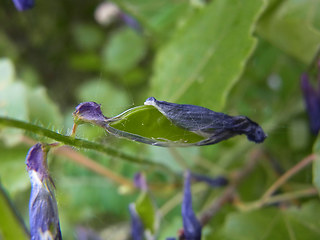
84, 233
22, 5
137, 228
89, 112
312, 101
140, 181
213, 182
43, 209
130, 21
191, 225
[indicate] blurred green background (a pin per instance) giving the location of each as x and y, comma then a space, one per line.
237, 57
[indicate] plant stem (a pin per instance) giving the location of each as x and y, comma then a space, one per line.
303, 163
230, 191
312, 191
80, 143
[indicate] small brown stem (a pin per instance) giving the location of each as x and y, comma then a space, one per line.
288, 175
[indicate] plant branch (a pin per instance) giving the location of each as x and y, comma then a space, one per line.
303, 163
229, 193
80, 143
278, 198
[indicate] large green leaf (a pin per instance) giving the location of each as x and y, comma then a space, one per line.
159, 17
272, 223
124, 51
204, 60
288, 25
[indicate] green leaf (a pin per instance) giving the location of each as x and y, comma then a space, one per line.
124, 51
7, 73
147, 122
161, 18
13, 105
13, 173
104, 93
204, 60
11, 225
273, 223
316, 164
146, 211
42, 109
288, 25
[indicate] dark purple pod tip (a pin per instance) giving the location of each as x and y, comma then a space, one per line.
22, 5
89, 112
36, 160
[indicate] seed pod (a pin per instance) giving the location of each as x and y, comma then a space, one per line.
43, 210
214, 126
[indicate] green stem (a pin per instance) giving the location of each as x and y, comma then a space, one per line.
80, 143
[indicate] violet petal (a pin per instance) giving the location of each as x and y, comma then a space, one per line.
191, 225
140, 181
213, 182
22, 5
137, 229
312, 102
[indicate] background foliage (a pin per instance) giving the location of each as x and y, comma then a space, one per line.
242, 58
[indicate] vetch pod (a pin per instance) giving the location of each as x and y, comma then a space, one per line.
214, 126
43, 209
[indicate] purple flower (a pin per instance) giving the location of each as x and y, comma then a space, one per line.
312, 102
140, 181
130, 21
22, 5
213, 182
43, 210
89, 112
137, 228
191, 225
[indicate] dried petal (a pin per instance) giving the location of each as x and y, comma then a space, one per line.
312, 102
89, 112
22, 5
191, 225
214, 126
137, 229
43, 210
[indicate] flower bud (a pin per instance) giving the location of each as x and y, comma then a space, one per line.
43, 210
